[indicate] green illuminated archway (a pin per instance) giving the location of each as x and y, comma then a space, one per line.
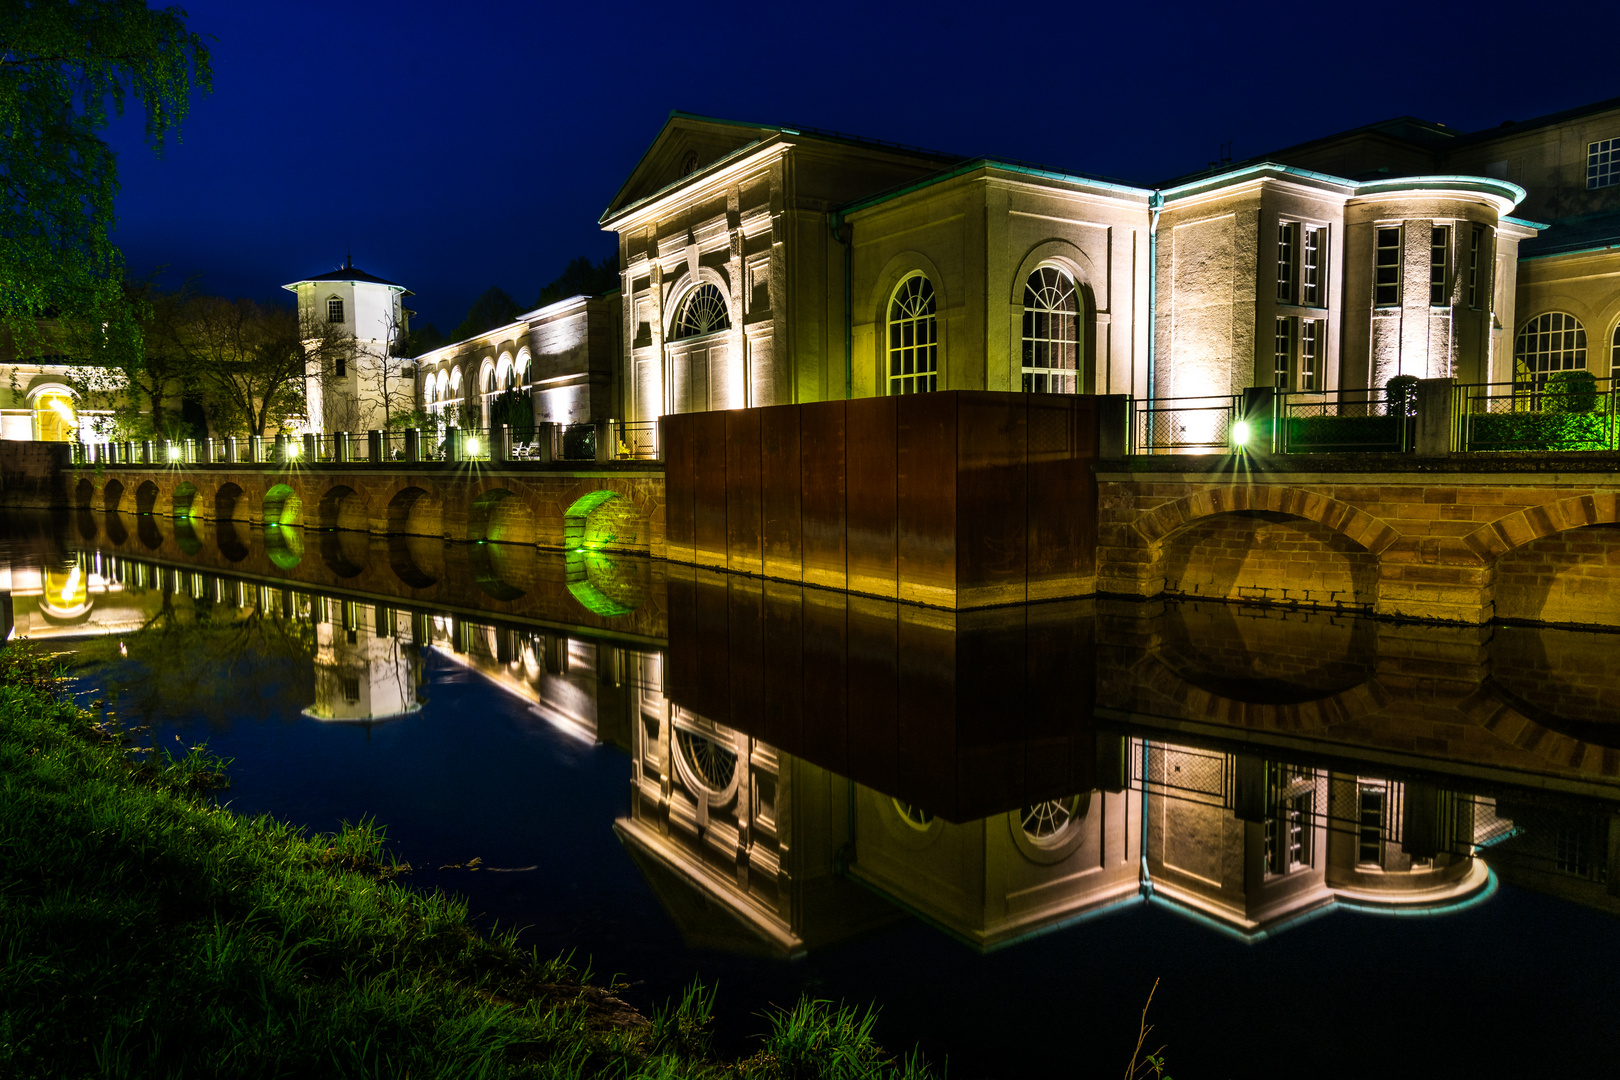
578, 533
282, 506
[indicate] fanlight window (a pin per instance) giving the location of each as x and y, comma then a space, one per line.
712, 763
1051, 333
913, 815
1046, 822
1551, 342
703, 313
913, 338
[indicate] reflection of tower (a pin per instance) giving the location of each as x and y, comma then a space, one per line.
363, 671
740, 841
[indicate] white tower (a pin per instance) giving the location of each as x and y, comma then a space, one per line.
364, 384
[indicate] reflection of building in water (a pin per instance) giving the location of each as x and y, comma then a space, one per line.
60, 598
578, 686
741, 842
366, 667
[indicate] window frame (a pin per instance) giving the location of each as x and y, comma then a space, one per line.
334, 309
896, 342
1439, 271
680, 330
1394, 267
1030, 341
1543, 336
1602, 163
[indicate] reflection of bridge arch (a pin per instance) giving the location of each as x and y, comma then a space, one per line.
84, 493
492, 569
605, 585
282, 506
284, 545
183, 502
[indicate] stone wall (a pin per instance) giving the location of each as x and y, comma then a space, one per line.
31, 473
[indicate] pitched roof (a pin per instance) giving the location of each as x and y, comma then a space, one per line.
347, 273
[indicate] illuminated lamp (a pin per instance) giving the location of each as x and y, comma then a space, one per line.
1241, 433
471, 445
174, 453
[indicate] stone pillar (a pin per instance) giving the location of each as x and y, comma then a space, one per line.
208, 451
606, 449
1409, 587
413, 444
1113, 426
281, 448
340, 447
311, 449
374, 446
545, 442
1435, 399
146, 451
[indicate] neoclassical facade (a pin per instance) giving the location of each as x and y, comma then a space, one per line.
768, 265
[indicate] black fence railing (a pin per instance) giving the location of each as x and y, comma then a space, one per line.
1175, 425
1538, 413
1344, 421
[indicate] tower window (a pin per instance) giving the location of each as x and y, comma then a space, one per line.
1287, 244
1313, 253
334, 310
1387, 268
1439, 261
1603, 164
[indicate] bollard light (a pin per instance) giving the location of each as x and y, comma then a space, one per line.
471, 445
174, 453
1240, 433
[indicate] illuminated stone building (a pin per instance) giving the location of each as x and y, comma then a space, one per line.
359, 387
766, 265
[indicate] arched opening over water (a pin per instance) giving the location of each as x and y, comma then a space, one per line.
412, 511
501, 517
227, 501
604, 519
112, 495
343, 508
84, 494
414, 558
146, 497
344, 552
1267, 556
282, 506
184, 502
605, 584
284, 545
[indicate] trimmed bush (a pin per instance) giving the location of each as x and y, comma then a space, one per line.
1333, 434
1539, 431
1570, 392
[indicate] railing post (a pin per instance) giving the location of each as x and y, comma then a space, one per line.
374, 445
545, 442
312, 449
1434, 404
413, 444
605, 448
452, 444
500, 443
340, 447
230, 450
280, 449
255, 448
146, 451
208, 449
1259, 412
1113, 426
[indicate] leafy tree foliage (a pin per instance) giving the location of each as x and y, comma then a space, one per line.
582, 278
495, 308
63, 63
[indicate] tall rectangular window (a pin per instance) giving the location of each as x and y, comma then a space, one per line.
1287, 253
1312, 262
334, 310
1439, 263
1282, 368
1311, 332
1387, 268
1292, 796
1476, 240
1602, 164
1370, 827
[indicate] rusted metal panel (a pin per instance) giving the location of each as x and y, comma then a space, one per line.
926, 498
781, 720
926, 733
709, 488
679, 524
826, 693
871, 491
781, 480
821, 437
1062, 495
873, 690
745, 602
743, 552
992, 498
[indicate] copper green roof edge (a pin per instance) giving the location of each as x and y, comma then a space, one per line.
1489, 184
986, 163
1589, 249
1527, 223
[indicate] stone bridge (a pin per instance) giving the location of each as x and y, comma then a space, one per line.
610, 506
1460, 540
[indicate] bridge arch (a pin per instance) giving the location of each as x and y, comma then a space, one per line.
604, 519
343, 508
501, 516
146, 497
84, 494
1355, 525
414, 511
227, 501
282, 506
183, 502
111, 495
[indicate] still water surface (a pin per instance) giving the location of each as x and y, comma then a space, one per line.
1346, 847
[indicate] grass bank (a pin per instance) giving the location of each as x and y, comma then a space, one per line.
147, 931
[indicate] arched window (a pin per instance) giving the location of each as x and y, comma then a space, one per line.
704, 312
521, 368
1051, 333
1614, 355
913, 338
429, 386
1547, 343
55, 418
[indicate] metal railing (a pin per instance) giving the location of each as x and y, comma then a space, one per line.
1344, 421
1171, 425
1538, 413
576, 442
638, 440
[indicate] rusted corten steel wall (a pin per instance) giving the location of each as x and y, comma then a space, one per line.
959, 499
963, 714
459, 502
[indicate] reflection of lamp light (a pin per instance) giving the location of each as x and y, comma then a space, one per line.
1240, 433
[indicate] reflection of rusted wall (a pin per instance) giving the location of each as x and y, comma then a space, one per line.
505, 580
962, 714
959, 499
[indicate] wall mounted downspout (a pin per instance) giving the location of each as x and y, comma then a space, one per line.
843, 231
1147, 875
1155, 205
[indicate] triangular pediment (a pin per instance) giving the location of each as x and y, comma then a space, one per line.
685, 145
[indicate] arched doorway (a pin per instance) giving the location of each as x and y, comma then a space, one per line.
56, 419
699, 354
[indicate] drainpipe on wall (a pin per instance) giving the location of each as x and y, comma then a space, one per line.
1147, 875
1155, 205
842, 232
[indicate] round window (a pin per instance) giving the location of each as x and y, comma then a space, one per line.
1046, 822
712, 764
912, 815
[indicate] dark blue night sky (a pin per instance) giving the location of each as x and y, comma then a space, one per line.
457, 146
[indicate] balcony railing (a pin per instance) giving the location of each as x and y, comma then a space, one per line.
1178, 425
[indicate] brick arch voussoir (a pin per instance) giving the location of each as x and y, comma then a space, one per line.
1353, 524
1512, 531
